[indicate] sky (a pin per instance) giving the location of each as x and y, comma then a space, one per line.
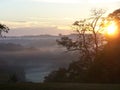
36, 17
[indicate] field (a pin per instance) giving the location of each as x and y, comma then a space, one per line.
59, 86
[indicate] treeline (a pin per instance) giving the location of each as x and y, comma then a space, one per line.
99, 54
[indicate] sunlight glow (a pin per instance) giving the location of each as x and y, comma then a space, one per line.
111, 29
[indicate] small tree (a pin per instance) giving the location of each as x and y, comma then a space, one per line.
3, 29
89, 40
57, 76
13, 78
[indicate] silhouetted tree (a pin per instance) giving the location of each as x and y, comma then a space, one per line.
88, 42
57, 76
99, 56
3, 29
106, 67
13, 78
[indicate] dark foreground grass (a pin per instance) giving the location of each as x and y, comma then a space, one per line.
59, 86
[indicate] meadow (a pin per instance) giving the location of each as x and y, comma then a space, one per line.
58, 86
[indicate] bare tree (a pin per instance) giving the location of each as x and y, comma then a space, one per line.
89, 39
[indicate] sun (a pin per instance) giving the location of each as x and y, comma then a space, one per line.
111, 29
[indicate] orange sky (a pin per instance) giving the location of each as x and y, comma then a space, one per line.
33, 17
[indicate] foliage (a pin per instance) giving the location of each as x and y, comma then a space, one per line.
88, 41
115, 16
13, 78
99, 61
89, 38
106, 67
3, 28
59, 76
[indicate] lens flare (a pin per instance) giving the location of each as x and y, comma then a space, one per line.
111, 29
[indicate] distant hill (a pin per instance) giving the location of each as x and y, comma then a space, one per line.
13, 47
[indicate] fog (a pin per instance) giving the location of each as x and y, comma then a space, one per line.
37, 56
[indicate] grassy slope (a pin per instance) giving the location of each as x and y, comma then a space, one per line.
58, 86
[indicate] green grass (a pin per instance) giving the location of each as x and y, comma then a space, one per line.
59, 86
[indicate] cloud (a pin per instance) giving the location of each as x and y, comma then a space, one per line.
38, 31
36, 25
50, 18
39, 22
102, 1
23, 24
76, 1
64, 27
61, 1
